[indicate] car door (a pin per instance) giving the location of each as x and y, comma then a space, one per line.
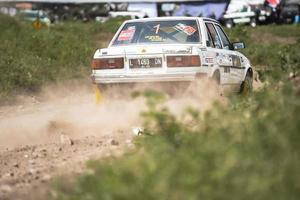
215, 46
232, 56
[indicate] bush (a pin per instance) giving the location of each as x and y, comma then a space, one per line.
248, 149
266, 44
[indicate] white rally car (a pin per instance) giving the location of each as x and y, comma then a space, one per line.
172, 49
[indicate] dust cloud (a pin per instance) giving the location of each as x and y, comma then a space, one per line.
70, 109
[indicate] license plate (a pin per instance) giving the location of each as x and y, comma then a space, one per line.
145, 63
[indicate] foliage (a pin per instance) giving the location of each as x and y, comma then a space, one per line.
245, 150
267, 46
290, 58
31, 58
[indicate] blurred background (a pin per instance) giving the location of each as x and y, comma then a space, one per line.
229, 12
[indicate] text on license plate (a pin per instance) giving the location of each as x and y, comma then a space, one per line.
145, 63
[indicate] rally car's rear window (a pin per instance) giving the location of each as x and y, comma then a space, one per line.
173, 31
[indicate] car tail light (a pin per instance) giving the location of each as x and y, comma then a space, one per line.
183, 61
108, 63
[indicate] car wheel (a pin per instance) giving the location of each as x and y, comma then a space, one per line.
247, 84
229, 23
253, 22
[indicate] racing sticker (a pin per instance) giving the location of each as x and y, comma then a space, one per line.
209, 57
189, 30
224, 60
127, 35
209, 60
236, 62
154, 38
178, 51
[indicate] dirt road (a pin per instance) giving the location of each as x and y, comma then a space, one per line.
56, 132
26, 171
43, 137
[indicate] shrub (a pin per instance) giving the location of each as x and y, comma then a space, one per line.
248, 149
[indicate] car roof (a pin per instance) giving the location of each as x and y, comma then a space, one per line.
170, 18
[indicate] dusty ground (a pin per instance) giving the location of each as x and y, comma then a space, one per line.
27, 170
56, 132
52, 134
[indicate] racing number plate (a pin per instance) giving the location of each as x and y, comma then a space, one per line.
145, 63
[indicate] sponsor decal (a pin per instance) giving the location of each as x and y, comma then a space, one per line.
189, 30
209, 60
229, 62
236, 62
224, 60
127, 35
154, 38
180, 51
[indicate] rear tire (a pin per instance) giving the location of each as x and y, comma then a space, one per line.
247, 84
253, 23
229, 23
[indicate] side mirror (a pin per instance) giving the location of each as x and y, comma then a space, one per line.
238, 45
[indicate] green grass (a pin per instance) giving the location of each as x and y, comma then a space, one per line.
267, 46
32, 58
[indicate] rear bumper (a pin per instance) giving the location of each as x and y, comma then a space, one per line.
134, 78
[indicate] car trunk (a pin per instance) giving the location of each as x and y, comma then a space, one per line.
147, 58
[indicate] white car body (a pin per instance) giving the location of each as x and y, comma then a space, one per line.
231, 66
240, 17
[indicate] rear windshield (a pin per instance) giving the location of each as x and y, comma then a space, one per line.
161, 32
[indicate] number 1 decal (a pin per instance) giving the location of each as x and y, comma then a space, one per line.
157, 28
